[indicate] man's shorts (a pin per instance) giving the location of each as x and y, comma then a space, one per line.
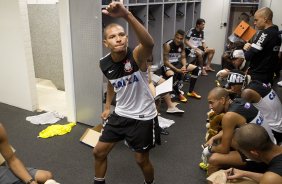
175, 64
7, 176
140, 135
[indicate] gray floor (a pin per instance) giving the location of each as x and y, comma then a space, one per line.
175, 161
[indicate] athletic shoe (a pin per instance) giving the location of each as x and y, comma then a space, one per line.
182, 98
174, 110
279, 83
194, 94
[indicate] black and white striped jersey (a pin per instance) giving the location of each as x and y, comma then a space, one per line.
175, 51
133, 96
195, 37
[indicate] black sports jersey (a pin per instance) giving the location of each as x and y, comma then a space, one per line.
261, 88
251, 114
245, 109
263, 54
175, 51
133, 96
275, 165
195, 37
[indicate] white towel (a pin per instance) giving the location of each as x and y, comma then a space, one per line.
45, 118
165, 123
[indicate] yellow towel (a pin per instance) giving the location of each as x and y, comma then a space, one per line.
53, 130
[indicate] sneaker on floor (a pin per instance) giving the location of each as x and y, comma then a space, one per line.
182, 98
279, 83
194, 94
174, 110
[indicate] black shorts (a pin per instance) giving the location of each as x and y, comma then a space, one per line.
175, 64
140, 135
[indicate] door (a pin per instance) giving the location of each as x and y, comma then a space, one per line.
216, 25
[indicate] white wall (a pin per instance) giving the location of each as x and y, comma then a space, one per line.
215, 32
42, 1
17, 81
275, 6
67, 58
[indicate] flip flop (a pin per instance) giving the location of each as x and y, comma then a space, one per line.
210, 69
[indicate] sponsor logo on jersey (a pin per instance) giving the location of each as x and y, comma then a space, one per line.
127, 66
236, 78
174, 55
259, 120
271, 95
196, 39
125, 81
247, 105
261, 39
264, 85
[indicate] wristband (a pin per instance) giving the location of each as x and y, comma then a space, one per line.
30, 181
210, 149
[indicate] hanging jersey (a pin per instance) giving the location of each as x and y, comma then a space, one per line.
174, 54
251, 114
275, 165
270, 104
133, 97
195, 37
266, 47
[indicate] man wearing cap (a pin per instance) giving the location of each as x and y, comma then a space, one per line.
238, 60
237, 113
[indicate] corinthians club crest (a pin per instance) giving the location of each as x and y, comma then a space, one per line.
127, 66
